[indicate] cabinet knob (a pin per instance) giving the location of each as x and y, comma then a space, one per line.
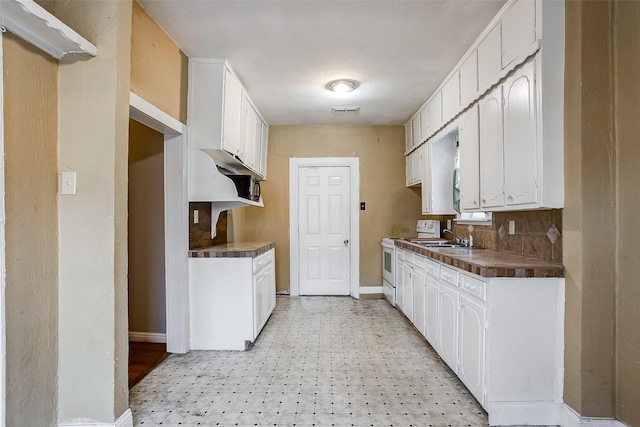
475, 203
484, 201
346, 242
510, 198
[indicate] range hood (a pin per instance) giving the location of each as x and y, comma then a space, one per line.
208, 184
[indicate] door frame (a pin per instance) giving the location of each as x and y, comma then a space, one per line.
176, 218
353, 163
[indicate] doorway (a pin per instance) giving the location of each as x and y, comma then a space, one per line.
324, 226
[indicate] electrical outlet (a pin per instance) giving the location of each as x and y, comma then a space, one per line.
196, 217
362, 206
449, 224
512, 227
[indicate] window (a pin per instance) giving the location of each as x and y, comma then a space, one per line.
475, 218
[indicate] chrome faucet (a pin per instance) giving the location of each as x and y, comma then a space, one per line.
459, 240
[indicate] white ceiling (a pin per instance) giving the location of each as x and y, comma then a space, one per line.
284, 52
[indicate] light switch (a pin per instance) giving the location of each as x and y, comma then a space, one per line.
68, 184
512, 227
196, 217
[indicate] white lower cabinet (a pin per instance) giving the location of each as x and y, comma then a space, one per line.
448, 325
407, 291
230, 300
431, 311
503, 337
471, 342
418, 299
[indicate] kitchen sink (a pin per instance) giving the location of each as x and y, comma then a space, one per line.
447, 245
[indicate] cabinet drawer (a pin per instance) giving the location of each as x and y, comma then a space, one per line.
474, 286
432, 268
408, 256
260, 262
419, 261
449, 275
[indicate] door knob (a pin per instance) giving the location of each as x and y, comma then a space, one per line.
346, 242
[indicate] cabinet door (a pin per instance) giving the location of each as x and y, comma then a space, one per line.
407, 292
408, 170
426, 179
448, 325
435, 113
418, 299
451, 98
417, 165
399, 280
489, 58
471, 345
247, 146
264, 149
407, 136
424, 123
431, 311
520, 137
232, 114
518, 30
259, 301
469, 80
491, 150
415, 131
468, 134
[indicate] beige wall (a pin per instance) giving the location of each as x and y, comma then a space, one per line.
159, 70
602, 374
93, 141
627, 131
30, 95
147, 309
392, 209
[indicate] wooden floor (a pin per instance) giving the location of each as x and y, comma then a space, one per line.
143, 357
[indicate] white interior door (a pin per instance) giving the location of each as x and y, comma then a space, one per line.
324, 234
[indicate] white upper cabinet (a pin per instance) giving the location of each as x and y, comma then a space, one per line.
424, 124
520, 137
491, 151
221, 119
518, 30
469, 80
468, 134
415, 131
490, 58
435, 113
232, 115
407, 136
451, 98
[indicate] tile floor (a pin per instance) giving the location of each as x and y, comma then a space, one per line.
319, 361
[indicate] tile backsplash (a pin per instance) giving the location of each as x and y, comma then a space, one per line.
534, 233
200, 233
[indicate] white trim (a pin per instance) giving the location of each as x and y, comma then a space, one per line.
124, 420
524, 413
147, 337
368, 290
31, 22
571, 418
148, 114
176, 223
353, 163
3, 255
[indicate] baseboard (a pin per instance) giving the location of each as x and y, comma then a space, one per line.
370, 290
524, 413
124, 420
148, 337
571, 418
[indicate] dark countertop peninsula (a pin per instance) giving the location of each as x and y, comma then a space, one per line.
233, 250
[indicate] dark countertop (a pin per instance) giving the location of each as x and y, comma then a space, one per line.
233, 250
487, 263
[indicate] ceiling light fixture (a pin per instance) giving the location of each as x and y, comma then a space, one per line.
342, 86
